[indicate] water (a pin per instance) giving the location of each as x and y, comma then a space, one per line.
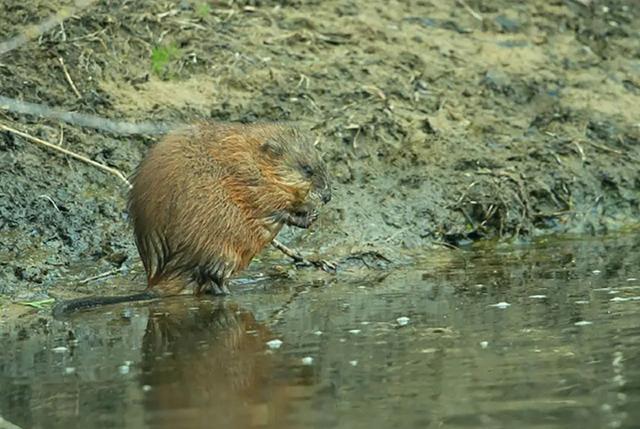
543, 336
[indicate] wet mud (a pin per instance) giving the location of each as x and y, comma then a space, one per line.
442, 122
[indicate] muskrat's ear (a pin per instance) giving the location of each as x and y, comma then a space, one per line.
273, 147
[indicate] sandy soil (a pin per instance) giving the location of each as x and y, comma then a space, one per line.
442, 121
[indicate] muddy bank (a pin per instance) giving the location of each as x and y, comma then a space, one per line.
441, 123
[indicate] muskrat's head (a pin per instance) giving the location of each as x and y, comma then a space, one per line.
300, 165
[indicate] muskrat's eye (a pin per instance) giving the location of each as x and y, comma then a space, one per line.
307, 170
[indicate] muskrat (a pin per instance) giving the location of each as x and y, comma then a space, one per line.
207, 198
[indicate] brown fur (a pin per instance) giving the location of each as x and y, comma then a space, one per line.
208, 198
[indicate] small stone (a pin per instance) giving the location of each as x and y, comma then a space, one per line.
583, 323
353, 362
354, 331
274, 344
146, 388
60, 349
123, 369
403, 320
317, 333
596, 272
307, 361
69, 370
501, 305
484, 344
537, 296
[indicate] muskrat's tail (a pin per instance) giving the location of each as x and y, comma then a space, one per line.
63, 307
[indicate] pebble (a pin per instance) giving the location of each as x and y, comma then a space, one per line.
484, 344
537, 296
60, 349
274, 344
354, 331
307, 360
583, 323
353, 362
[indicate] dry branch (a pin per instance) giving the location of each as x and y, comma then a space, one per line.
82, 158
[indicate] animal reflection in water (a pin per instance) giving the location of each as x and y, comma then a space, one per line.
207, 367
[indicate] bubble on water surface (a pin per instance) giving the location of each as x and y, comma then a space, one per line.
403, 320
274, 344
501, 305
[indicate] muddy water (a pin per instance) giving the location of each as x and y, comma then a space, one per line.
542, 335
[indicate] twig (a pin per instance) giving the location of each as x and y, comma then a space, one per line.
374, 90
68, 76
464, 194
604, 148
101, 275
326, 266
68, 152
47, 197
447, 245
472, 12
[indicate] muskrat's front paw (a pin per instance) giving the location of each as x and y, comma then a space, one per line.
312, 216
302, 219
